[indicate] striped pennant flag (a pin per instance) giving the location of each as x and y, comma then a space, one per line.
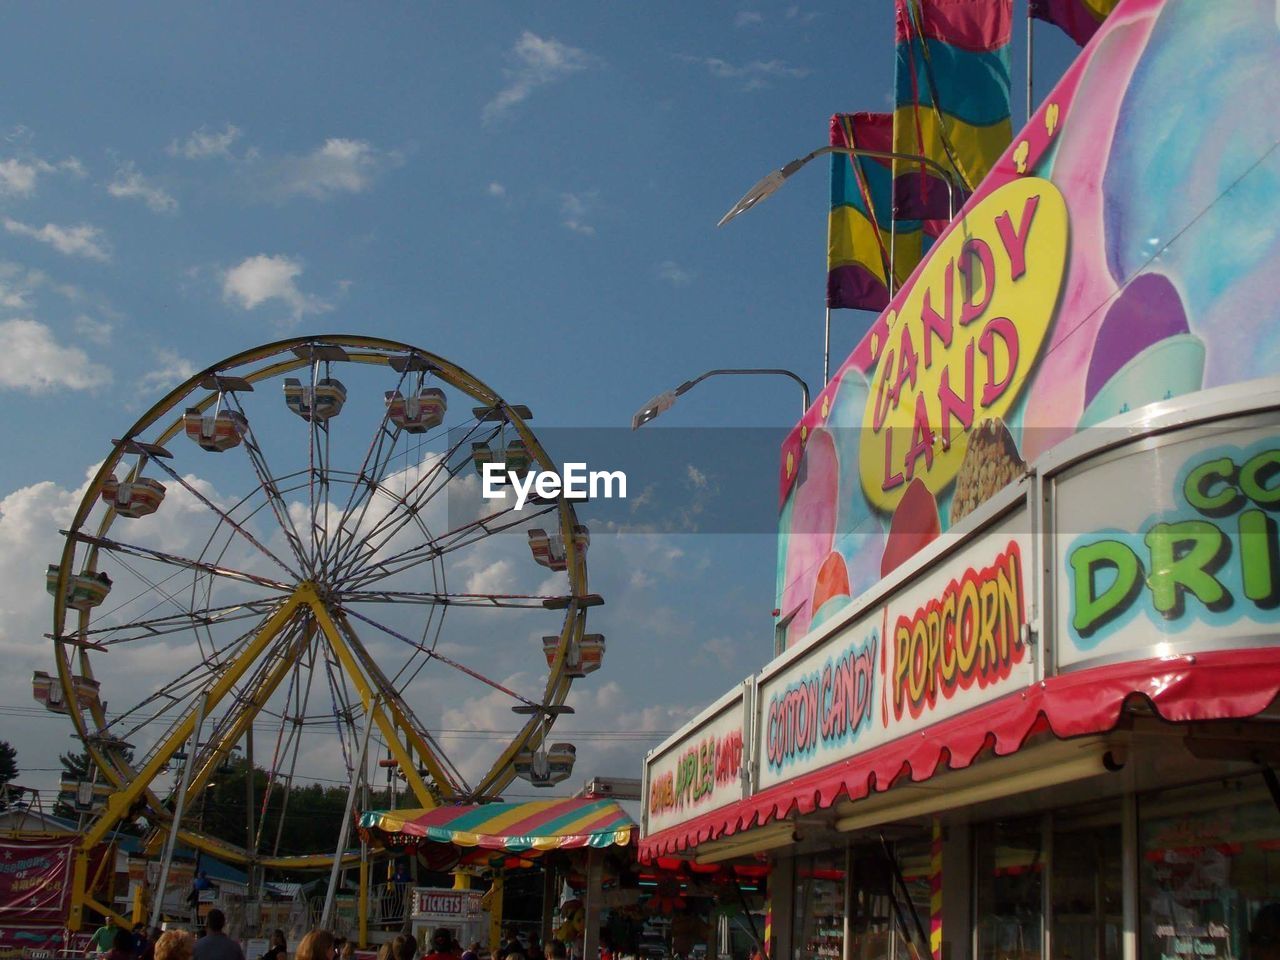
952, 98
1078, 19
861, 242
858, 234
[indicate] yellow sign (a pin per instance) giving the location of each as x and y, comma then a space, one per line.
961, 345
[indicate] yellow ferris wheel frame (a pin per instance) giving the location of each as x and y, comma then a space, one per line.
131, 789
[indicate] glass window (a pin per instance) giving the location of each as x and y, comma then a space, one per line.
1009, 862
1210, 871
819, 906
1086, 884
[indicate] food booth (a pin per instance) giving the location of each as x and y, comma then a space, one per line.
1023, 702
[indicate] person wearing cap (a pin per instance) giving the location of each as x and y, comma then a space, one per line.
441, 946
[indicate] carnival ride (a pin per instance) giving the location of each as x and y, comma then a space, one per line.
243, 566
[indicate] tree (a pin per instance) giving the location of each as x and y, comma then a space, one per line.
8, 770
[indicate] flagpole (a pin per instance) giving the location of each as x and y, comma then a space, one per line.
1030, 98
893, 244
826, 351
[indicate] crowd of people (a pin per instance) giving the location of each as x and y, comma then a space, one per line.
111, 942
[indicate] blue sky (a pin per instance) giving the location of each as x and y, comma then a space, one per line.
529, 190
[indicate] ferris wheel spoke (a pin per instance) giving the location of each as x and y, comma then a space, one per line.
274, 497
131, 549
177, 623
301, 699
150, 587
372, 469
423, 490
402, 715
401, 511
387, 708
226, 518
230, 728
191, 682
318, 491
516, 601
472, 532
436, 655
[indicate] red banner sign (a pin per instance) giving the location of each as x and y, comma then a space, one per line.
32, 943
35, 878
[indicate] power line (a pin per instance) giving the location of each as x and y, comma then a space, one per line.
451, 733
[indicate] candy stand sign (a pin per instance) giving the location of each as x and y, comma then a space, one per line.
1103, 265
699, 772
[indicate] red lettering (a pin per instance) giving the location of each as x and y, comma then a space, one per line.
921, 439
936, 325
1001, 328
953, 406
1015, 241
976, 254
884, 401
971, 633
890, 480
906, 364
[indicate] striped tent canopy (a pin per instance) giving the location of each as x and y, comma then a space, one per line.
535, 826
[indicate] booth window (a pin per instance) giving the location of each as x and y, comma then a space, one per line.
1210, 862
820, 906
1086, 884
1009, 861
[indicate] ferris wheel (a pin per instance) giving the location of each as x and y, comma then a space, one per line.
289, 554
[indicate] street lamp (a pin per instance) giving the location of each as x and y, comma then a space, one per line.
665, 401
769, 184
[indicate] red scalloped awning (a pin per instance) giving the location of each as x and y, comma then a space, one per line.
1218, 685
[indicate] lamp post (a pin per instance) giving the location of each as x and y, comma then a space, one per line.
665, 401
767, 185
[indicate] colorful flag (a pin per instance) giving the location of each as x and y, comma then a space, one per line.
1078, 19
861, 241
952, 97
858, 226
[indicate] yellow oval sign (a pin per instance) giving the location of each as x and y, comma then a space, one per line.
960, 347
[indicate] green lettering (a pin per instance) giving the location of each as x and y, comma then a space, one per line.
1184, 557
1091, 609
1255, 475
1258, 561
1203, 478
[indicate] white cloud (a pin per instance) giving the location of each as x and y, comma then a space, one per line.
754, 75
574, 208
255, 280
81, 240
794, 12
748, 18
205, 143
497, 190
18, 177
674, 274
18, 284
170, 369
339, 166
129, 183
98, 331
539, 62
33, 361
